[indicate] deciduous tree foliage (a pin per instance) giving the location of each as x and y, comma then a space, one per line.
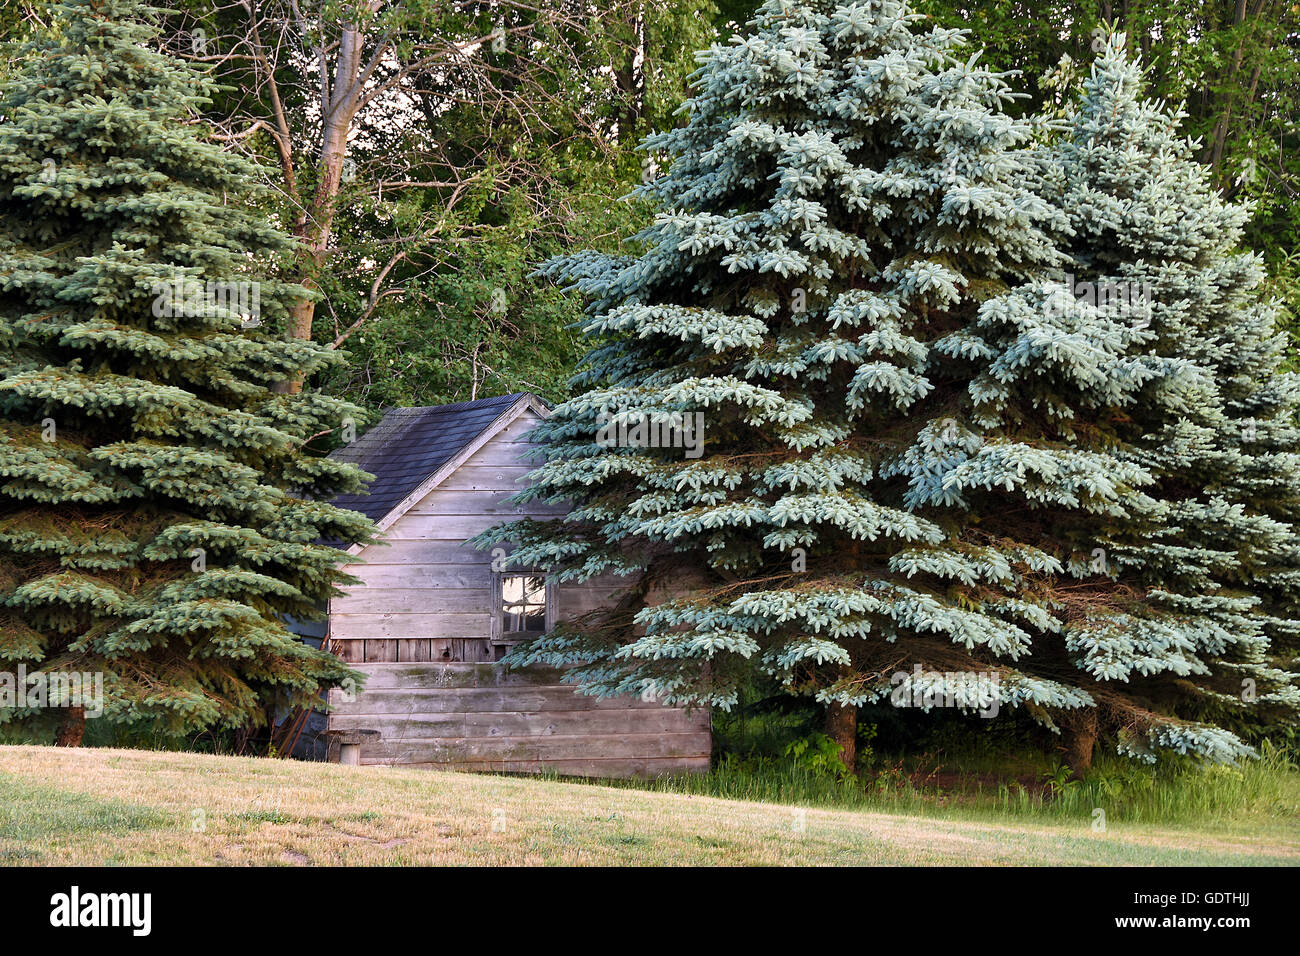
918, 437
158, 515
429, 154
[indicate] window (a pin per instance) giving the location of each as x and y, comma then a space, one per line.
523, 608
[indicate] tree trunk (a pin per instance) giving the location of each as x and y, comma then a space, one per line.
72, 729
1079, 730
314, 227
842, 727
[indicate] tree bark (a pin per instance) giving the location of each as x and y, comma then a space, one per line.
340, 101
1079, 730
842, 727
72, 729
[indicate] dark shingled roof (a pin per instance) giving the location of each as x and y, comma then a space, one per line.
410, 444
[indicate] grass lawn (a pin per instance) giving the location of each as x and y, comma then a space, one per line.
102, 806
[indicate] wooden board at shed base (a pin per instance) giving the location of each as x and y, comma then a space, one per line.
466, 716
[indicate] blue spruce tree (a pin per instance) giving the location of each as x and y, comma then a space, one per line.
1213, 549
917, 464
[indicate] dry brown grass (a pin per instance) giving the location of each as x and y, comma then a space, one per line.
100, 806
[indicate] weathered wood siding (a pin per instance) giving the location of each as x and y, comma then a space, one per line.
426, 595
481, 717
420, 625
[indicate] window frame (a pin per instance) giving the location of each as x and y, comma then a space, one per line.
499, 636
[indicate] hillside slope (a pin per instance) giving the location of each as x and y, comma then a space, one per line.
97, 806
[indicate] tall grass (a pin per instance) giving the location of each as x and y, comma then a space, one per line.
1181, 791
1175, 792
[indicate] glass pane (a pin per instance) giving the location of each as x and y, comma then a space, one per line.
523, 599
524, 618
512, 588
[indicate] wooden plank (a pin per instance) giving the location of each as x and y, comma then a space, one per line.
353, 652
436, 676
529, 713
416, 649
427, 650
475, 650
447, 589
541, 747
466, 575
426, 576
613, 581
354, 626
379, 705
575, 599
412, 724
381, 650
615, 768
517, 429
450, 528
482, 502
504, 479
418, 551
429, 600
435, 599
479, 700
498, 452
432, 553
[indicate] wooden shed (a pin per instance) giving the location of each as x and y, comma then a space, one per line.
432, 618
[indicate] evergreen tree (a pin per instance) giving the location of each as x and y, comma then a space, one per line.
159, 517
912, 455
1217, 547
